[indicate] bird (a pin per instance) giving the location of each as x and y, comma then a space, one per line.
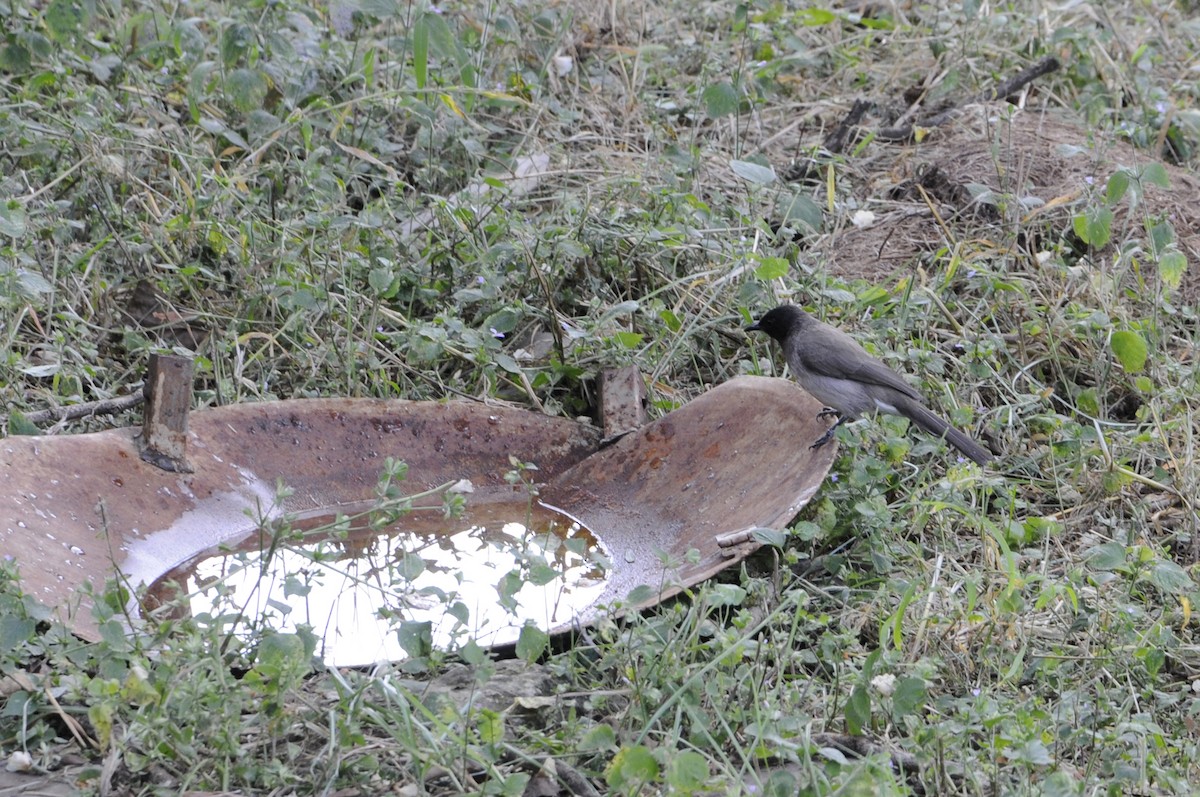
840, 374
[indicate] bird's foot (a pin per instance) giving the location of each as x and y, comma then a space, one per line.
825, 438
827, 412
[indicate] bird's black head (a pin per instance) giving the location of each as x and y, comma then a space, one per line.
779, 322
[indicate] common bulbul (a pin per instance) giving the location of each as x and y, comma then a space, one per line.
831, 366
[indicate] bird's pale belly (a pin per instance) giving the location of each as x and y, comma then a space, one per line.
849, 398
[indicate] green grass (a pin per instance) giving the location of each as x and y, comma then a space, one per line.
330, 191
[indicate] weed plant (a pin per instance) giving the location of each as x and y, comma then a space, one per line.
498, 200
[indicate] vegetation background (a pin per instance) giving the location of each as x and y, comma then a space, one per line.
497, 200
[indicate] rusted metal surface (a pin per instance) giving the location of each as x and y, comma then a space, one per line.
74, 508
622, 400
735, 458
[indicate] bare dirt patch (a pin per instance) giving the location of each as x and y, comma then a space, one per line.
1034, 170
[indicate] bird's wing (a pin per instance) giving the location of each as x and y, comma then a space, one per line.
817, 354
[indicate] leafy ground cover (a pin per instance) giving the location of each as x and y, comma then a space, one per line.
499, 200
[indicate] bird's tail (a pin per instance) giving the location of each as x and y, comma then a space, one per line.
939, 427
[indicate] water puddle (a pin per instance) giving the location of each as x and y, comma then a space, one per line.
367, 590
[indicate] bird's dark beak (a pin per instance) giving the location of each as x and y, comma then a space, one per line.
754, 327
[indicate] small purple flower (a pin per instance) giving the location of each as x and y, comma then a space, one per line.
495, 332
480, 280
1089, 180
833, 477
1160, 106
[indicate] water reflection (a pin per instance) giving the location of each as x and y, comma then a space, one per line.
480, 577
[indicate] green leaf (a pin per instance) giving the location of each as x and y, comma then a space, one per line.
1088, 401
771, 268
1032, 751
671, 320
472, 654
909, 697
531, 643
726, 595
283, 658
1156, 174
380, 279
1094, 227
799, 212
630, 340
12, 219
631, 766
1170, 577
410, 567
15, 631
65, 18
1131, 350
1059, 784
506, 363
246, 89
431, 34
218, 128
420, 43
31, 284
441, 37
503, 320
807, 531
815, 17
490, 725
507, 588
776, 538
1171, 268
18, 424
1118, 184
415, 638
1038, 528
15, 58
753, 172
600, 737
858, 710
236, 41
1106, 556
460, 612
1162, 235
720, 99
541, 573
688, 771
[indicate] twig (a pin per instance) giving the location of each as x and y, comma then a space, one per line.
1004, 89
73, 412
835, 142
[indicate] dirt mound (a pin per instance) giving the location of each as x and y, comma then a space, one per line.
999, 181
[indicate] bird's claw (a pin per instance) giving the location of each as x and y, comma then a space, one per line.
827, 412
825, 438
